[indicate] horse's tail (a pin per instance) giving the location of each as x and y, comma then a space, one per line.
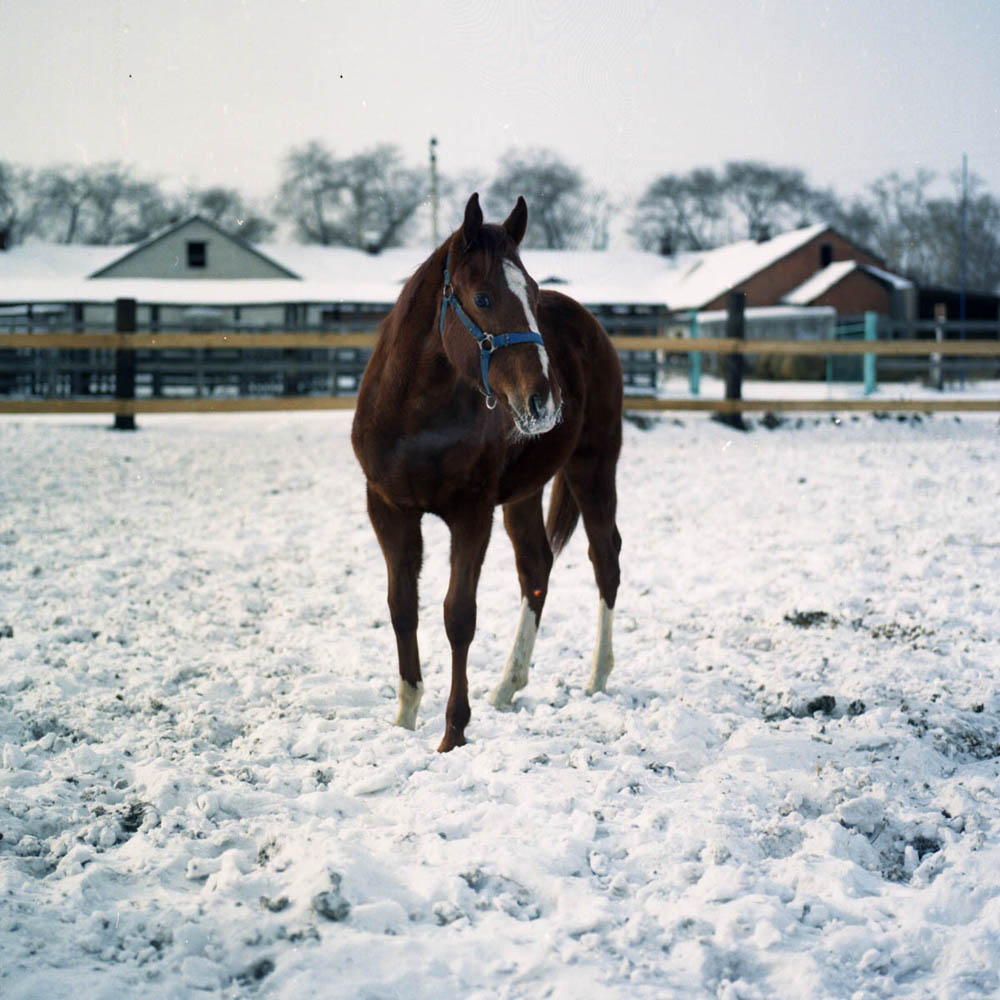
563, 514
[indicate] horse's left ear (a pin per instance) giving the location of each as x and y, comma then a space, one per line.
517, 222
473, 221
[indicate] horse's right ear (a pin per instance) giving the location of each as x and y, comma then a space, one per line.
517, 222
473, 221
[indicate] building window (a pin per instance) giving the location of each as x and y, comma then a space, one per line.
825, 254
197, 251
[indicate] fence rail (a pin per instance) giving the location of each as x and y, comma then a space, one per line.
622, 342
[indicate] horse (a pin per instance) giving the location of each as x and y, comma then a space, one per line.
480, 390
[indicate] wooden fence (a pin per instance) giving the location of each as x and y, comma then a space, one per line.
125, 405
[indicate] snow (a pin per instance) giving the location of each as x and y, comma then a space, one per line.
790, 788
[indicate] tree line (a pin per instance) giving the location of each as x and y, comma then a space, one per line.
370, 200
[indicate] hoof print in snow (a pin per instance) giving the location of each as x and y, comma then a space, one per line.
825, 703
331, 904
6, 631
446, 913
134, 816
497, 892
255, 973
278, 905
805, 707
808, 619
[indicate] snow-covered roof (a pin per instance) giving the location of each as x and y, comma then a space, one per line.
198, 223
700, 278
831, 275
47, 273
35, 260
231, 292
821, 282
682, 281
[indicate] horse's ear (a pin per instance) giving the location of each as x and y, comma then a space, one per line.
517, 222
473, 221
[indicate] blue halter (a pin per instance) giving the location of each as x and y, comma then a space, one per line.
488, 342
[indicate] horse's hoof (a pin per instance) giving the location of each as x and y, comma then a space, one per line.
451, 740
502, 697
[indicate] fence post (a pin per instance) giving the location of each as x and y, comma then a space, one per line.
125, 323
871, 333
936, 373
694, 363
734, 363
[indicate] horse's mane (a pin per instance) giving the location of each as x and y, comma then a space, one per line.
492, 241
430, 273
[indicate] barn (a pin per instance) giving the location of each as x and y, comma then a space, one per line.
194, 275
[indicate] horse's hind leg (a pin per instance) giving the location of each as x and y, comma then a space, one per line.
399, 535
594, 491
525, 525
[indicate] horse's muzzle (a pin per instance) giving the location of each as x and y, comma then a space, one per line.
538, 415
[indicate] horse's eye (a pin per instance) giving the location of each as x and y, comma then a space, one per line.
483, 300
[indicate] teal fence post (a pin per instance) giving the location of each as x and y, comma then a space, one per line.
694, 367
871, 333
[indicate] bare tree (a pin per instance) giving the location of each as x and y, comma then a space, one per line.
110, 208
767, 199
903, 233
61, 194
681, 212
364, 201
982, 236
308, 193
101, 204
747, 199
227, 209
18, 211
921, 235
557, 214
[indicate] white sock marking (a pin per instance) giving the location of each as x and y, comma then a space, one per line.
515, 673
409, 702
604, 659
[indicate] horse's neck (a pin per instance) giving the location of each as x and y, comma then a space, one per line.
411, 329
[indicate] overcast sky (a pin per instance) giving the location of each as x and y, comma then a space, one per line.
217, 91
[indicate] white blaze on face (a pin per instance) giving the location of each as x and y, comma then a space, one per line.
518, 284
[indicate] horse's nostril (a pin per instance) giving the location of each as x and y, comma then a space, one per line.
535, 406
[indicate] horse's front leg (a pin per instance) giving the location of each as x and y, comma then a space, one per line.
398, 533
470, 535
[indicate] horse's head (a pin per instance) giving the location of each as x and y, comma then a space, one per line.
489, 320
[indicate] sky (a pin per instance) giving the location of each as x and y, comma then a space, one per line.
217, 91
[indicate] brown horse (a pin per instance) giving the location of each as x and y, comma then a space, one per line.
470, 331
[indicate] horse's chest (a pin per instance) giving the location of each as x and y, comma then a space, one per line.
425, 468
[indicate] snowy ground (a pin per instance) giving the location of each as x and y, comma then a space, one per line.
792, 788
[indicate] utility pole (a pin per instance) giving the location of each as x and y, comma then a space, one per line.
962, 263
434, 191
